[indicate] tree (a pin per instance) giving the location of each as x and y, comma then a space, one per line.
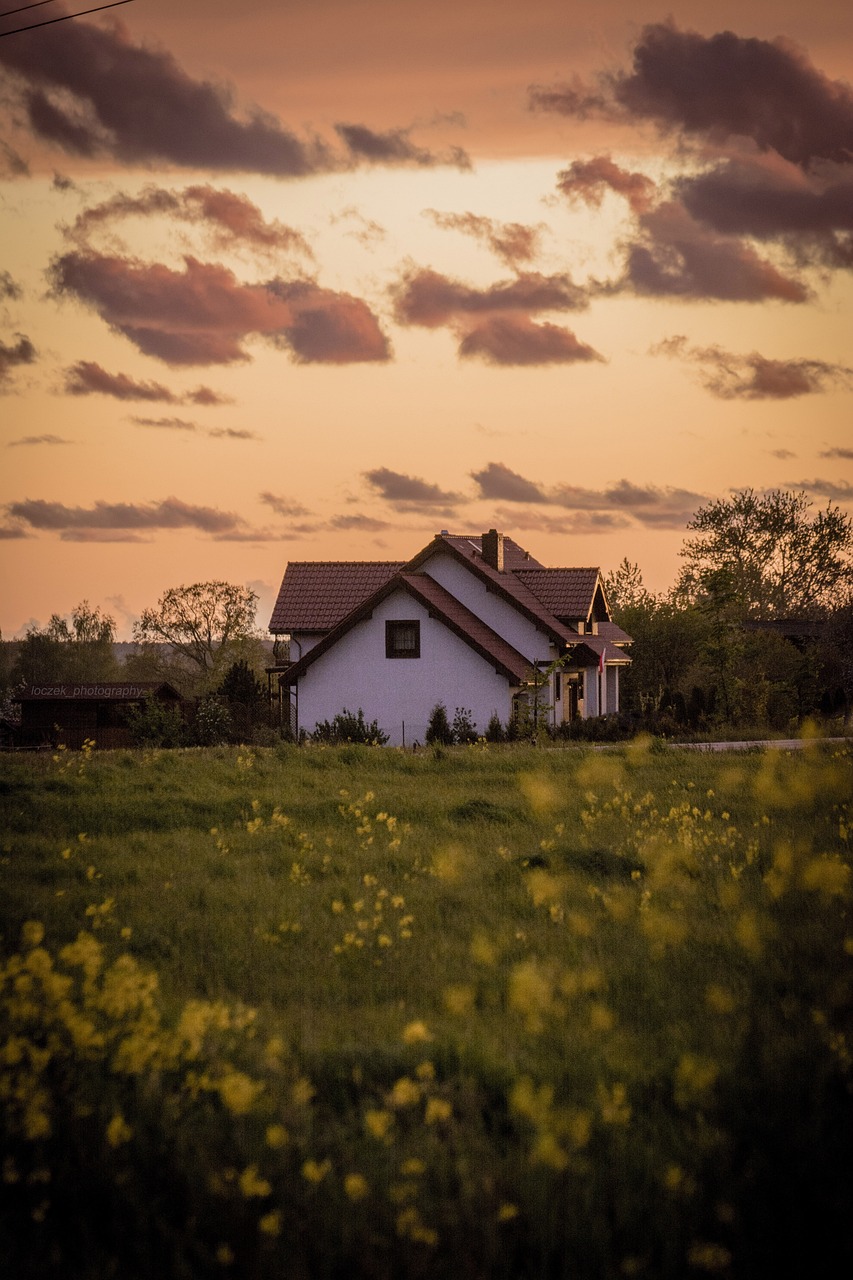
779, 561
78, 650
625, 587
202, 623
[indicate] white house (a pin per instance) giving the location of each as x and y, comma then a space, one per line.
470, 621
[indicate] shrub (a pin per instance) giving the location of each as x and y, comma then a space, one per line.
155, 724
438, 731
464, 729
495, 730
349, 727
212, 722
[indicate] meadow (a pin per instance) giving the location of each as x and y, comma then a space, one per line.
470, 1012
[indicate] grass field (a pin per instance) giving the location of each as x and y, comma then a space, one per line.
482, 1012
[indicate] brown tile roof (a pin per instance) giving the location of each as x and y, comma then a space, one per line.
614, 633
515, 557
567, 593
316, 594
440, 604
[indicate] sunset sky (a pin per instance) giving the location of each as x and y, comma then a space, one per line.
315, 279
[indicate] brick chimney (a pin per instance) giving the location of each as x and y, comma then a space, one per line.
493, 549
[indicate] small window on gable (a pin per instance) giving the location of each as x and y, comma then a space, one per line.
402, 639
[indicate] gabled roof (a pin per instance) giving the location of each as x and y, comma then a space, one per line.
613, 632
316, 594
515, 557
567, 593
508, 585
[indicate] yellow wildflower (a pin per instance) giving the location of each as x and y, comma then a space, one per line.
314, 1171
251, 1184
270, 1223
356, 1187
437, 1111
118, 1131
377, 1123
415, 1033
507, 1212
405, 1093
32, 933
277, 1136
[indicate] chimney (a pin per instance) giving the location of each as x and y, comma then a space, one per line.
493, 549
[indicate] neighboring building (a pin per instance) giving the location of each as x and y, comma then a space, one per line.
470, 621
71, 713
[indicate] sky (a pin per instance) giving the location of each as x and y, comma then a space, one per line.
315, 279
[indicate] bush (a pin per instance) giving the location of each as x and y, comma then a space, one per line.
349, 727
212, 722
438, 731
155, 724
463, 728
495, 730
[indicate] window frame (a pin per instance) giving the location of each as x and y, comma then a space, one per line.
392, 649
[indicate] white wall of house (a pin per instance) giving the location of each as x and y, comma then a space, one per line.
501, 616
398, 692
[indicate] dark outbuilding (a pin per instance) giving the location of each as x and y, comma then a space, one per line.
72, 713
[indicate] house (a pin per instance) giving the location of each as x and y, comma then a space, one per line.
471, 621
72, 713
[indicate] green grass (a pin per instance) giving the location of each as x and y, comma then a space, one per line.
477, 1012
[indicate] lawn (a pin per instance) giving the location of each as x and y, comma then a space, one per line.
474, 1012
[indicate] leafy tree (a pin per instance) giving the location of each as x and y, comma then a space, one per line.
155, 724
202, 624
625, 588
75, 650
779, 561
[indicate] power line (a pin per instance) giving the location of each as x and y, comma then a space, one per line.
7, 13
49, 21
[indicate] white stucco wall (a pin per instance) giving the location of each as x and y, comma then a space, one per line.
401, 691
494, 611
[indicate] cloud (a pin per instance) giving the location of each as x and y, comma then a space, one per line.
809, 214
87, 378
232, 219
425, 297
288, 508
9, 288
588, 180
409, 493
12, 165
44, 439
232, 433
497, 481
512, 242
516, 340
365, 230
579, 523
755, 377
725, 86
359, 524
846, 454
167, 424
203, 315
9, 532
172, 513
651, 505
783, 454
395, 147
92, 91
839, 490
12, 356
674, 256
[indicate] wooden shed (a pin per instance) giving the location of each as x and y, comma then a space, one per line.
71, 713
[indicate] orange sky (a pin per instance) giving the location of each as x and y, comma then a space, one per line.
317, 279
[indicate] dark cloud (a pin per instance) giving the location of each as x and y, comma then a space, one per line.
47, 438
91, 90
650, 505
512, 242
55, 517
395, 147
811, 215
409, 493
725, 86
9, 288
359, 524
204, 314
588, 180
846, 454
287, 508
424, 297
517, 340
232, 433
8, 533
12, 356
675, 256
782, 454
579, 522
166, 424
497, 482
837, 490
232, 219
87, 378
755, 377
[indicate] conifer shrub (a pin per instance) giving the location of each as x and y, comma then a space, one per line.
438, 731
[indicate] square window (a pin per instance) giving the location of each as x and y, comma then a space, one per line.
403, 639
